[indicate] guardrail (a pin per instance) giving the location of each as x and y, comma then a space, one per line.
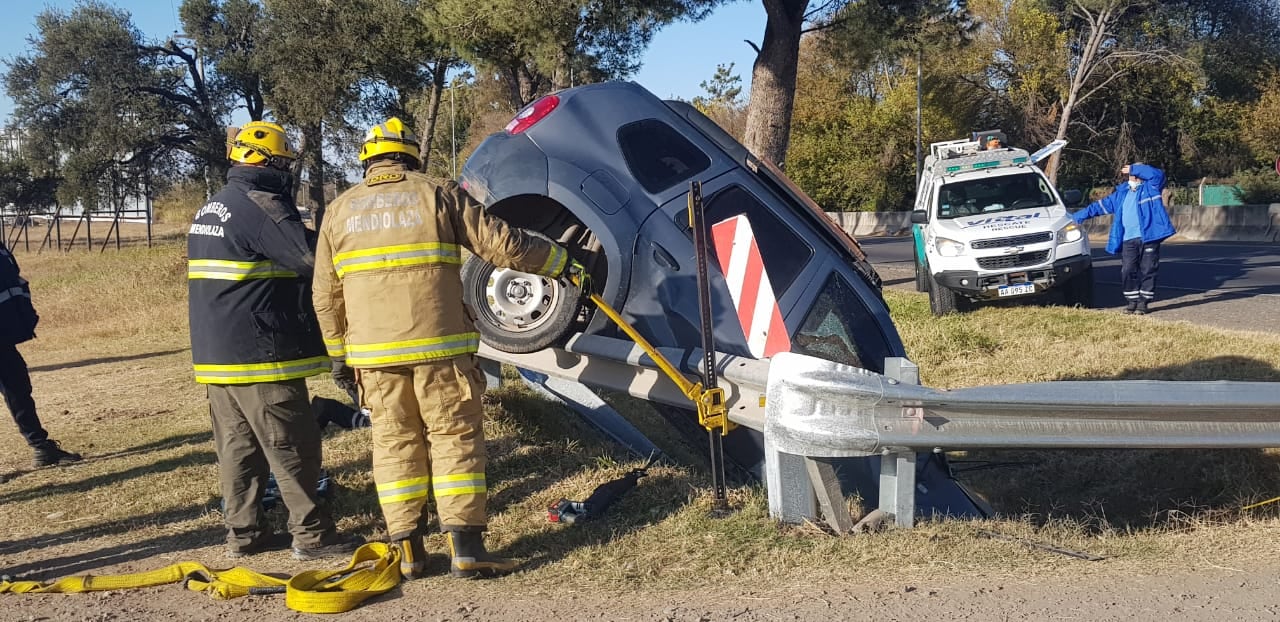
812, 411
819, 409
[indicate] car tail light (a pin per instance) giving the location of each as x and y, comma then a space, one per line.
532, 114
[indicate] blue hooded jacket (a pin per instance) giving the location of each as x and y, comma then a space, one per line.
1152, 217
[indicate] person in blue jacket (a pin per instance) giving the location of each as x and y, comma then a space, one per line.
1139, 224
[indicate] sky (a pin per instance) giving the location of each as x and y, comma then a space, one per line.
679, 59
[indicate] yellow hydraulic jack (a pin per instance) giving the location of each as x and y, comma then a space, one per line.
706, 396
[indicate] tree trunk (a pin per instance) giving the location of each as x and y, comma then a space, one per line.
773, 81
428, 136
313, 142
1090, 56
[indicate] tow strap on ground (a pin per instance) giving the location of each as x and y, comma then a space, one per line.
374, 570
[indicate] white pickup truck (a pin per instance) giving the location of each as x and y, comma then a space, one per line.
988, 225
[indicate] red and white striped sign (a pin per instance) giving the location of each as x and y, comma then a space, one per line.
749, 285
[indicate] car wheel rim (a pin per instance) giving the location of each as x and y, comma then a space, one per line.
519, 301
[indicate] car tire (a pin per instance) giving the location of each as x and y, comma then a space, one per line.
1078, 291
922, 277
515, 311
941, 299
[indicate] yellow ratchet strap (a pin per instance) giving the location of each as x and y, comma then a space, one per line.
374, 570
712, 413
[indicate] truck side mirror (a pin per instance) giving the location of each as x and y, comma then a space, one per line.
1072, 197
919, 217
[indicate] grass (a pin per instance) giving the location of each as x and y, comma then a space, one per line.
113, 380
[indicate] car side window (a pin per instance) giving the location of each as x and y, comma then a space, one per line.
783, 252
658, 156
840, 328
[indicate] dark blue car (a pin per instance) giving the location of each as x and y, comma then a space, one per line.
605, 170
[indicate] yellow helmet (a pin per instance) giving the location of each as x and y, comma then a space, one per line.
390, 137
258, 142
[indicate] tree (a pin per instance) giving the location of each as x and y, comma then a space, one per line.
723, 100
555, 44
852, 134
1099, 58
773, 80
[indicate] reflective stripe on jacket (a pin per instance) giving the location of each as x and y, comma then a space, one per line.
249, 280
18, 318
387, 286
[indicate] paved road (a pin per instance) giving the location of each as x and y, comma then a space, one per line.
1227, 285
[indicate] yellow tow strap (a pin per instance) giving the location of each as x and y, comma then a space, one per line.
374, 570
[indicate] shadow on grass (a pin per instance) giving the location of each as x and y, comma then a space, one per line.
105, 359
108, 479
1135, 489
195, 438
52, 567
653, 500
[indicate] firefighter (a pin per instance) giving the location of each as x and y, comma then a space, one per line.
388, 294
18, 324
254, 341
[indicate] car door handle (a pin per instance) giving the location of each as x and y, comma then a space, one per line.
664, 258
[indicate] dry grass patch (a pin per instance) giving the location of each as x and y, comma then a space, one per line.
113, 379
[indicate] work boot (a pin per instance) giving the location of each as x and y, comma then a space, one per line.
274, 541
470, 559
413, 556
1131, 307
1141, 309
48, 453
335, 545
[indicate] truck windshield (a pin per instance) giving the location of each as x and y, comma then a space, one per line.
993, 194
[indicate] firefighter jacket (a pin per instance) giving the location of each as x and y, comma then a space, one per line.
388, 290
249, 275
17, 317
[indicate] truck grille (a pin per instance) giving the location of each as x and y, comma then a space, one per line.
1002, 262
1017, 240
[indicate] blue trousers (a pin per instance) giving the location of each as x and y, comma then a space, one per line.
1139, 263
15, 384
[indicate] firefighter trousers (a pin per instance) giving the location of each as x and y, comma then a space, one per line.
428, 439
265, 428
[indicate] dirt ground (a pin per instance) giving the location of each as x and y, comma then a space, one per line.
1088, 591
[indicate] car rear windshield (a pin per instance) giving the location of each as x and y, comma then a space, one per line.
993, 194
840, 328
658, 155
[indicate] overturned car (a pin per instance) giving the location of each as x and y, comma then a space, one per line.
605, 170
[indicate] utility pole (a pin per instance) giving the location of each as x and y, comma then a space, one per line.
919, 108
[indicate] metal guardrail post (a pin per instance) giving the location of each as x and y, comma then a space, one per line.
786, 480
898, 468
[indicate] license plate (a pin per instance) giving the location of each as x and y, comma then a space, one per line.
1017, 290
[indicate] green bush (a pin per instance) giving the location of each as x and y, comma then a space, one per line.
1258, 186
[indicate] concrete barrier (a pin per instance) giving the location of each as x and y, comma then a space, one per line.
1226, 223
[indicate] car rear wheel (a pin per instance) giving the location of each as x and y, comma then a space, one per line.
516, 311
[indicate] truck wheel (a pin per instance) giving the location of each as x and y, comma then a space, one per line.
1078, 292
922, 277
516, 311
941, 300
